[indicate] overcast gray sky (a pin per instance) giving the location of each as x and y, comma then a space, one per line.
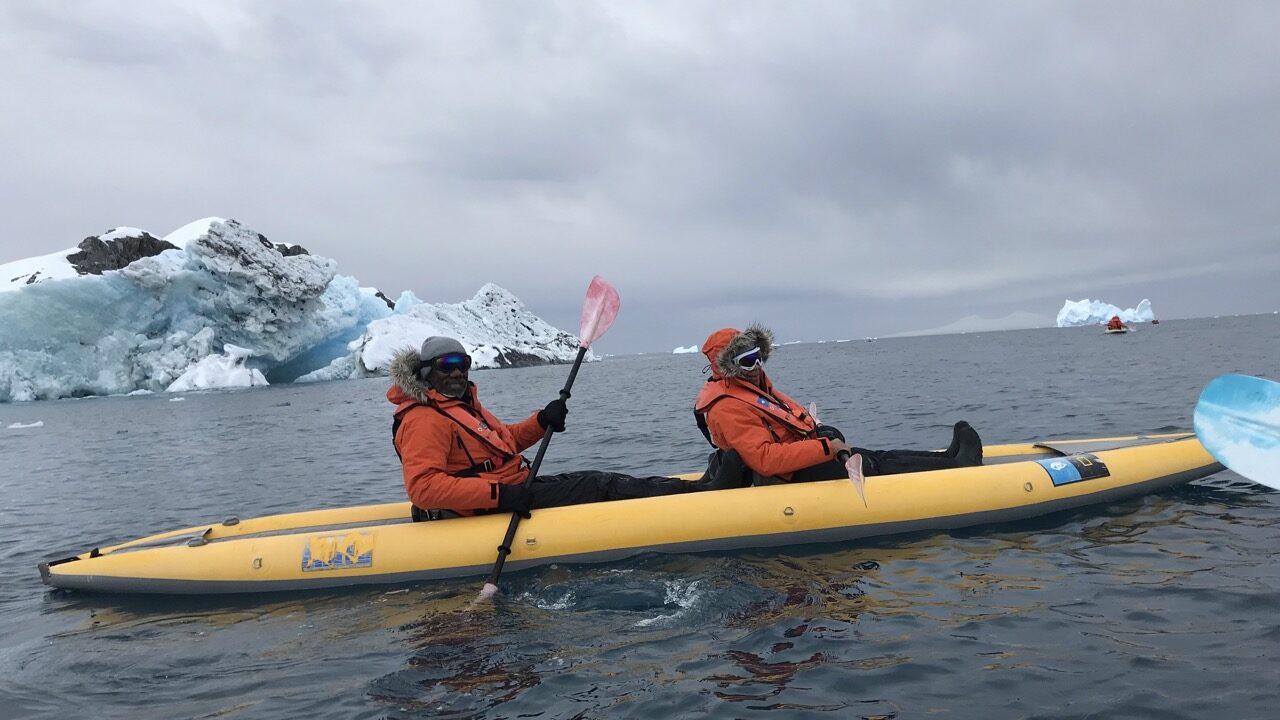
832, 169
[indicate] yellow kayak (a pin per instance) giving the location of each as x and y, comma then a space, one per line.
378, 544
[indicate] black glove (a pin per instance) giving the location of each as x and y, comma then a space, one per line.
515, 499
829, 432
552, 416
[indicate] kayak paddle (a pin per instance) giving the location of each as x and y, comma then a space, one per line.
1238, 421
852, 463
598, 311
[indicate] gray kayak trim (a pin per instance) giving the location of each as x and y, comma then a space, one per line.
1065, 447
1095, 446
100, 584
204, 535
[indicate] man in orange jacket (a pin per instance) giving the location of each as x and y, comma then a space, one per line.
740, 410
458, 459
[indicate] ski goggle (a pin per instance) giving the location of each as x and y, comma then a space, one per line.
451, 362
749, 359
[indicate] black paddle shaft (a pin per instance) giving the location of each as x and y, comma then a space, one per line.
505, 548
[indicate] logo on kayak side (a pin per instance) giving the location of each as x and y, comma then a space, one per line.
337, 552
1074, 468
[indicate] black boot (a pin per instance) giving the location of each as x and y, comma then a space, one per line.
954, 447
967, 444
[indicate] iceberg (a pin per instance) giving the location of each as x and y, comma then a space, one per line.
215, 304
220, 371
684, 350
494, 327
1075, 313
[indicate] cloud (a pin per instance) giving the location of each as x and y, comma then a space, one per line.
900, 164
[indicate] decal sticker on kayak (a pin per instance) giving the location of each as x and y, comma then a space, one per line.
337, 552
1074, 468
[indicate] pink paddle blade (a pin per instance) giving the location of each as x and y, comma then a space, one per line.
598, 311
854, 466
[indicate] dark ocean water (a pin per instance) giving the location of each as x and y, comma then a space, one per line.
1165, 606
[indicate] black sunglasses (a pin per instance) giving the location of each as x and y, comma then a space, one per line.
449, 363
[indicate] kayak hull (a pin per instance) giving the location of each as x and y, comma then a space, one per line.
378, 544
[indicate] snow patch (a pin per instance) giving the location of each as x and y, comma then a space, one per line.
191, 231
120, 233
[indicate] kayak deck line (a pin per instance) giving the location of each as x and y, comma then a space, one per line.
379, 544
210, 535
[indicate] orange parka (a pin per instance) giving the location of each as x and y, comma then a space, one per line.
454, 453
771, 432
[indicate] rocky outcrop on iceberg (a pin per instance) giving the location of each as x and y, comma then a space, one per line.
493, 326
1075, 313
115, 250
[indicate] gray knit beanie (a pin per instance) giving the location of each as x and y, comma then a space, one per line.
437, 345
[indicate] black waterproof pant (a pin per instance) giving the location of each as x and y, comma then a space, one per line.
726, 469
879, 462
588, 486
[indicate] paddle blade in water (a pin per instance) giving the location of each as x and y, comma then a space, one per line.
854, 466
488, 591
1238, 421
598, 311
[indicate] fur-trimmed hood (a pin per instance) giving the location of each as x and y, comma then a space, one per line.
724, 344
403, 370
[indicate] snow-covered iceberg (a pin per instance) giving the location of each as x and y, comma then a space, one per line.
685, 350
1075, 313
493, 326
215, 304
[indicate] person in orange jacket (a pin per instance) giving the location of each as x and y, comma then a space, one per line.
1114, 323
458, 459
740, 410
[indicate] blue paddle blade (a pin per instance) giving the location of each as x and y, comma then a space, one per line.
1238, 421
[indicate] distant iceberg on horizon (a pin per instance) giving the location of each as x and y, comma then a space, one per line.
214, 304
1075, 313
685, 350
1018, 320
